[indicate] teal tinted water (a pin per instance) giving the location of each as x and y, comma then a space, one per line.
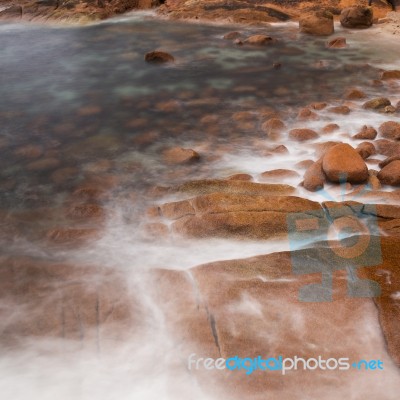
85, 93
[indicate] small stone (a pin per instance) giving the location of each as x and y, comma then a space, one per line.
301, 135
158, 57
337, 43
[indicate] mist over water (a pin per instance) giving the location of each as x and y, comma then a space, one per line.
85, 98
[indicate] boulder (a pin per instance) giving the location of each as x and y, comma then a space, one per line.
366, 149
390, 130
366, 133
390, 174
387, 147
158, 57
377, 103
301, 135
314, 178
319, 24
357, 17
343, 163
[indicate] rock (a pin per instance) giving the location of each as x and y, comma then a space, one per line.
158, 57
337, 43
306, 114
301, 135
357, 17
314, 178
273, 127
366, 133
377, 103
390, 174
389, 160
373, 182
72, 236
240, 177
318, 105
88, 305
387, 147
389, 110
281, 149
232, 35
343, 163
235, 187
343, 110
366, 149
305, 164
259, 40
235, 215
178, 155
86, 211
13, 12
319, 24
390, 130
279, 174
393, 74
322, 148
355, 94
330, 128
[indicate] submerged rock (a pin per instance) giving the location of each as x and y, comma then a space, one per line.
337, 43
259, 40
158, 57
178, 155
302, 135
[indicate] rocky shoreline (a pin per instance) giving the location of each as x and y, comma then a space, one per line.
232, 11
232, 306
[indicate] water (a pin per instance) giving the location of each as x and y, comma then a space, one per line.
84, 101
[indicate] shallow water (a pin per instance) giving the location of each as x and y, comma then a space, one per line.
85, 97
